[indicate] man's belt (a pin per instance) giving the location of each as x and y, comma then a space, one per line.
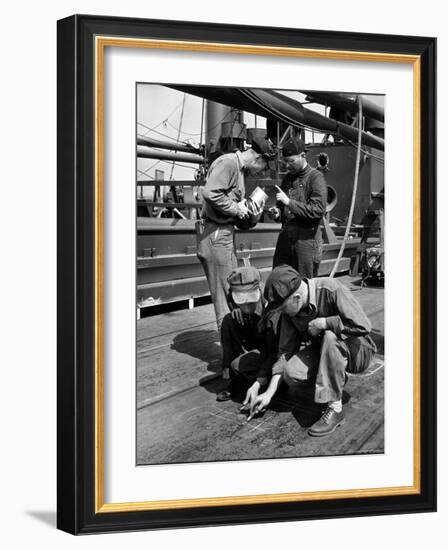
218, 223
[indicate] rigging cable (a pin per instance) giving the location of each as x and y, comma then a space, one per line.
202, 121
160, 133
166, 118
145, 172
355, 188
198, 134
178, 133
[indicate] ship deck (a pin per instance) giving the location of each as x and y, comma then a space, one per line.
179, 419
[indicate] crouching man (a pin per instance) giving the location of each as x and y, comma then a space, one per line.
248, 346
322, 313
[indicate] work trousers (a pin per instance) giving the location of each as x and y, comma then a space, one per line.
300, 248
216, 251
326, 364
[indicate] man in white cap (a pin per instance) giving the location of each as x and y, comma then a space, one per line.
248, 347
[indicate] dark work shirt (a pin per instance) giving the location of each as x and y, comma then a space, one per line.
260, 329
307, 191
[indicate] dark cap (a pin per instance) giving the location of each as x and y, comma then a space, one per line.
264, 148
244, 284
281, 283
293, 146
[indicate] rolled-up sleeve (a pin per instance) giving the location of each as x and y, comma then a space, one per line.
222, 177
268, 347
351, 319
289, 343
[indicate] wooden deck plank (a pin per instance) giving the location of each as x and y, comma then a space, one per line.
189, 357
202, 429
179, 420
167, 324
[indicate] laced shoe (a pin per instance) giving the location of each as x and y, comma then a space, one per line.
327, 423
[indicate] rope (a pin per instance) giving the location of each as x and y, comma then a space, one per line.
198, 134
355, 188
178, 133
201, 140
165, 119
379, 159
145, 172
157, 132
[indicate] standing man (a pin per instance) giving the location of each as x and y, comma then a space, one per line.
323, 313
301, 203
224, 207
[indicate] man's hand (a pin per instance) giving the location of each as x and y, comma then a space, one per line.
251, 395
243, 210
257, 209
237, 315
274, 212
259, 405
225, 374
316, 326
281, 196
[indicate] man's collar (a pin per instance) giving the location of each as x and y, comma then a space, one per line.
304, 171
239, 157
301, 172
311, 294
260, 307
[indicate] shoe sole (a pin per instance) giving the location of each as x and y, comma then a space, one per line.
327, 433
221, 399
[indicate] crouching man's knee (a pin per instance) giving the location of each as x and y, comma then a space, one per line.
329, 337
246, 364
234, 365
296, 373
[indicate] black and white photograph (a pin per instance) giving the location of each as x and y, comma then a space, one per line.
260, 272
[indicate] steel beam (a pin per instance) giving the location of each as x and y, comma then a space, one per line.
148, 153
160, 144
347, 103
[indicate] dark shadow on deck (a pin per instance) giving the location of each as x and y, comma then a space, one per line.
378, 338
199, 344
300, 402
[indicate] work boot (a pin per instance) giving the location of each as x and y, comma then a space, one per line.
327, 423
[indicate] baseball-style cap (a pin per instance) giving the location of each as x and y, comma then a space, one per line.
244, 284
265, 148
293, 146
281, 283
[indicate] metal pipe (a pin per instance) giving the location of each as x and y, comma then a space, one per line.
273, 105
346, 103
292, 112
161, 144
215, 115
148, 153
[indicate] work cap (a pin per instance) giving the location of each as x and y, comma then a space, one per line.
293, 146
265, 148
281, 283
244, 284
